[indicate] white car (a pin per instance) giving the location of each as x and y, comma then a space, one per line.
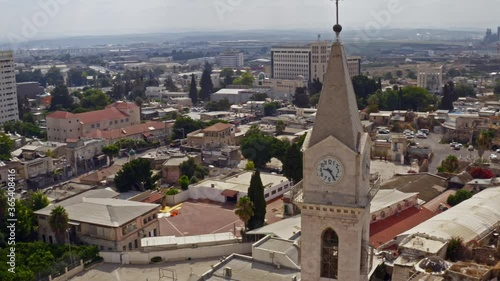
493, 157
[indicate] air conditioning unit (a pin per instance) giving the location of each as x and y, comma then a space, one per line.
228, 272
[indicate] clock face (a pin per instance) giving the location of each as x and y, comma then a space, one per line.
330, 170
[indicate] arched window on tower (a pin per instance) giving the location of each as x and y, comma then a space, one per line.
329, 254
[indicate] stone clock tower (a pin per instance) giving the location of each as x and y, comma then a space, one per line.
336, 192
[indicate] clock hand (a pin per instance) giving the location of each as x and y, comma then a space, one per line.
331, 173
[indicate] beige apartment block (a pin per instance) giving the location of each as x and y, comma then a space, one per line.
62, 125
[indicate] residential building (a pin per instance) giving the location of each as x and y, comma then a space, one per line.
63, 125
30, 90
430, 78
161, 93
232, 188
308, 61
150, 131
218, 135
97, 218
8, 90
234, 96
84, 155
231, 59
37, 168
227, 156
6, 168
171, 171
281, 88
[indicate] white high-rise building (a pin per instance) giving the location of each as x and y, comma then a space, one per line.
430, 78
231, 59
309, 61
8, 90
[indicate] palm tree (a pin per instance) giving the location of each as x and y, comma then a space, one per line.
484, 142
244, 210
58, 221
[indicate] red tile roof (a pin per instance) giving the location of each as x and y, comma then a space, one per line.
218, 127
123, 105
61, 115
385, 230
99, 115
129, 131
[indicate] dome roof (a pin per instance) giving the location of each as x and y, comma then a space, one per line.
433, 264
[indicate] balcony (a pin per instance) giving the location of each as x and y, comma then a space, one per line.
298, 195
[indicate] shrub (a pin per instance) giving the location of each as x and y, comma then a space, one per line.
172, 191
459, 197
480, 173
184, 182
156, 259
193, 180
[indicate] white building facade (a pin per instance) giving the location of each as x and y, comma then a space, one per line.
430, 78
231, 59
309, 61
8, 89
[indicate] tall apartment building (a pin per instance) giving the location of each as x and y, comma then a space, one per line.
230, 59
8, 89
430, 78
309, 61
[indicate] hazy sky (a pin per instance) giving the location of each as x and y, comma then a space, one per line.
89, 17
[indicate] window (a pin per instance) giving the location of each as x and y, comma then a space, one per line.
329, 254
280, 189
382, 215
266, 195
399, 207
374, 218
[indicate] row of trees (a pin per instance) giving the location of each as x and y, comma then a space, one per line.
206, 85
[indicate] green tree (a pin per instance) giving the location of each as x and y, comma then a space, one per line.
292, 166
256, 195
139, 101
449, 165
227, 72
61, 100
6, 147
40, 260
54, 77
95, 99
206, 84
459, 197
37, 201
388, 75
29, 118
244, 210
271, 108
314, 99
418, 99
170, 85
191, 169
411, 74
250, 166
300, 98
246, 78
258, 148
464, 90
399, 73
496, 89
221, 105
136, 174
280, 127
484, 142
110, 151
363, 87
452, 73
184, 182
193, 90
59, 221
315, 87
449, 96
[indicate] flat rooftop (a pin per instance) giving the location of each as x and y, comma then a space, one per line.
241, 182
247, 269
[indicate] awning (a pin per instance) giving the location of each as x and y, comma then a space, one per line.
229, 193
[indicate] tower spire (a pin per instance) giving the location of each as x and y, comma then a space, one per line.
337, 27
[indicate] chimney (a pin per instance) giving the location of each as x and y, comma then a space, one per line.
228, 272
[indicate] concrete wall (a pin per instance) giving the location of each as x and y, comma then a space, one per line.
173, 200
69, 273
179, 254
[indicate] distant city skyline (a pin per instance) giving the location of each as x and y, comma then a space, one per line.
38, 19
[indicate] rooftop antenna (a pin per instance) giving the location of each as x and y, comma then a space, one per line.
337, 27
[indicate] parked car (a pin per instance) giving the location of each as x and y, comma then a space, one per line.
425, 131
421, 136
457, 147
493, 157
470, 148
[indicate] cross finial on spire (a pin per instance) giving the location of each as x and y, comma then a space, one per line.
337, 27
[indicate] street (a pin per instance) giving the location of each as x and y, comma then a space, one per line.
441, 151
